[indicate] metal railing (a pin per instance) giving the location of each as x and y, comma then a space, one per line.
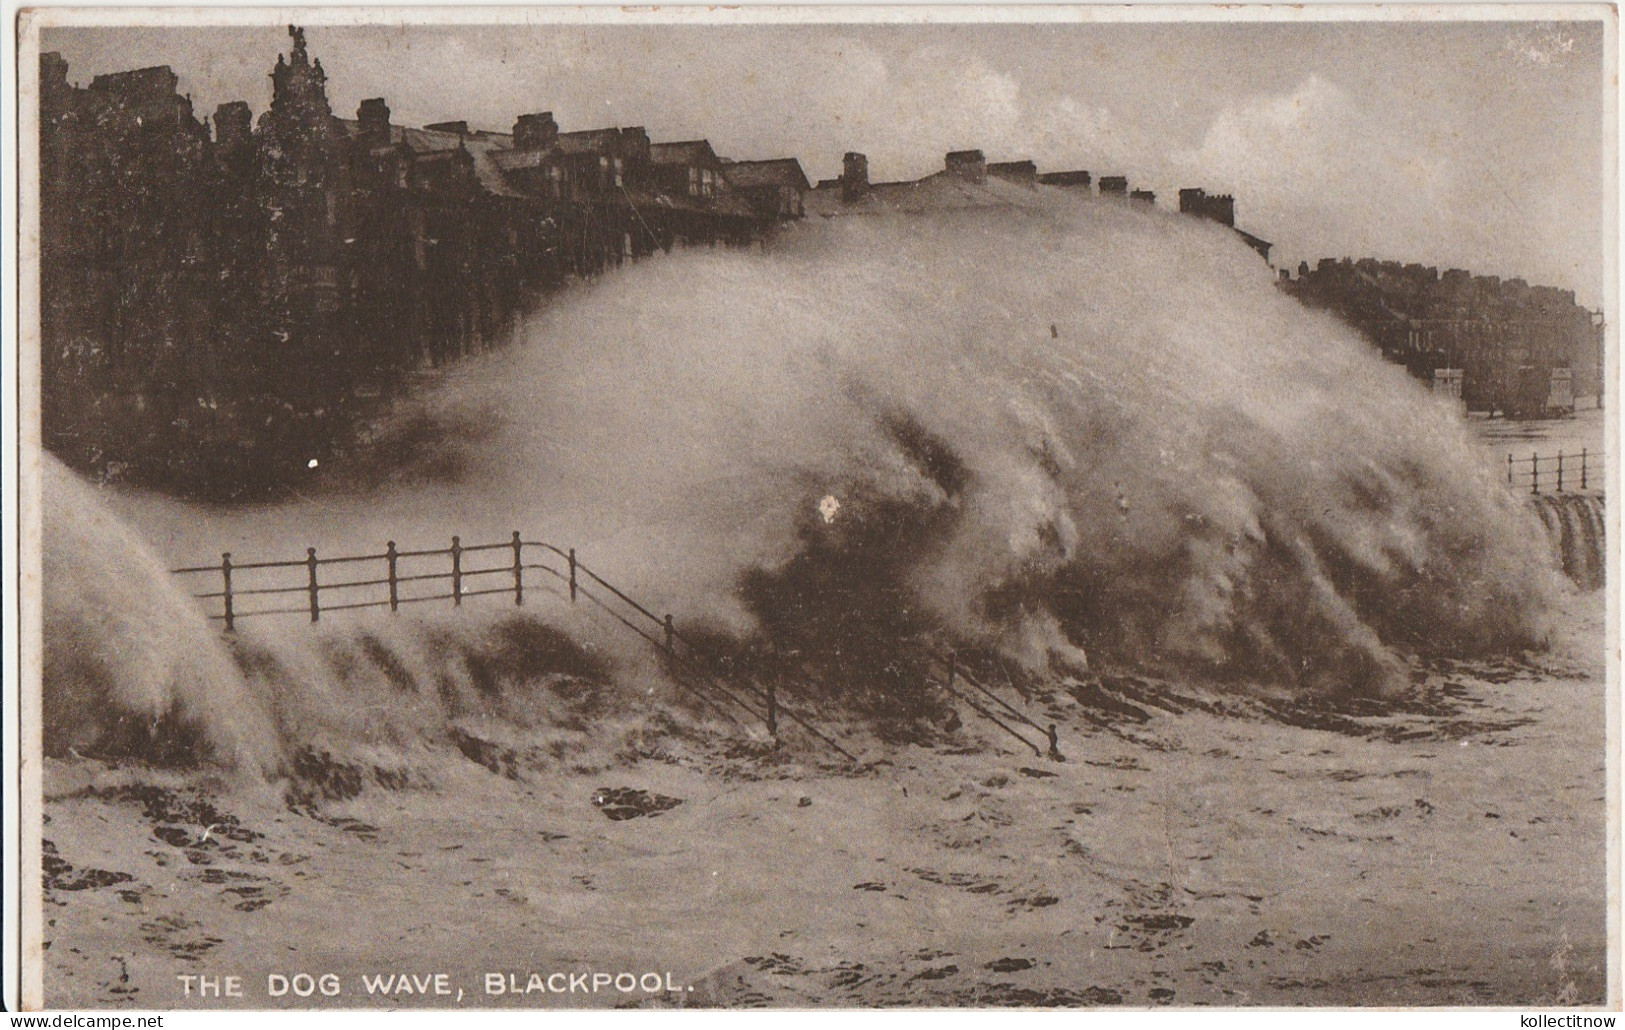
400, 582
401, 574
954, 676
400, 578
1557, 473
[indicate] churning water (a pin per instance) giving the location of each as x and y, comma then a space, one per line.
1575, 526
1064, 429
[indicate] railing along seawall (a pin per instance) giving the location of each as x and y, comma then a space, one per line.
1556, 473
394, 578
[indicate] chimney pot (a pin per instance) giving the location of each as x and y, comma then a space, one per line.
854, 176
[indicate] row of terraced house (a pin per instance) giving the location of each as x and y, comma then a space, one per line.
219, 301
220, 298
213, 300
1499, 346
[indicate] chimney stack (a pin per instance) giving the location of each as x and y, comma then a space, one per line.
967, 164
535, 131
374, 118
1220, 207
233, 125
854, 176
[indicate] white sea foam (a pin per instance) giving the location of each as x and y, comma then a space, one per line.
1060, 427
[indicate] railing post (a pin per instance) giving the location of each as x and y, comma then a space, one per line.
572, 575
671, 635
1582, 468
773, 708
394, 586
456, 571
315, 604
518, 570
1559, 471
1534, 473
225, 574
1509, 468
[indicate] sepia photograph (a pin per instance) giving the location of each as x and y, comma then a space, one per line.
817, 508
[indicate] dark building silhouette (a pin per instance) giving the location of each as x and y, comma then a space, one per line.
773, 187
1511, 342
128, 247
700, 204
217, 306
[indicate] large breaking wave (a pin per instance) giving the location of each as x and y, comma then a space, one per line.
1065, 431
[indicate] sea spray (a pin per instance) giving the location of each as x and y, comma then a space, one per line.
134, 670
1575, 526
1058, 428
131, 666
1053, 425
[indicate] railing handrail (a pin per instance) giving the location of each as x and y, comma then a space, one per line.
767, 696
684, 670
693, 667
955, 670
1554, 471
1584, 452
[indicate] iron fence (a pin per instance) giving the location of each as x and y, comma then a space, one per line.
1557, 473
399, 574
394, 578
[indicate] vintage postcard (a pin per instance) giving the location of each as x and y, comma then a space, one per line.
970, 508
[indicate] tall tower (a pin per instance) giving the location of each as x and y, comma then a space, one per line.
304, 181
301, 165
299, 115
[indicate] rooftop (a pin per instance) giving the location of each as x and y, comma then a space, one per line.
694, 151
784, 171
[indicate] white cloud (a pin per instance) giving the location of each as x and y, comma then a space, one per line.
1316, 143
1334, 173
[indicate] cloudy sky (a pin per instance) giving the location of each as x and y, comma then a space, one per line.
1477, 145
